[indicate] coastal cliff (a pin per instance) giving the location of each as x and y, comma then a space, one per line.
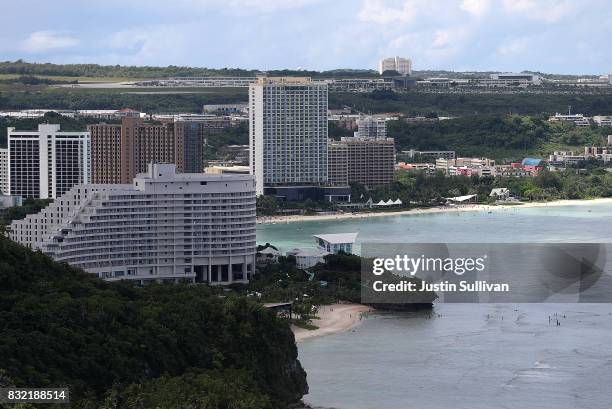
118, 346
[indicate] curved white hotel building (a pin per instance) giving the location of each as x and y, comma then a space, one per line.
164, 227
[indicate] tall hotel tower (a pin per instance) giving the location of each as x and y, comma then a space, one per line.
45, 164
120, 152
288, 132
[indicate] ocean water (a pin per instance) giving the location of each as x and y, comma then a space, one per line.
465, 355
580, 223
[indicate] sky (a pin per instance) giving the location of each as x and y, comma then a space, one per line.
553, 36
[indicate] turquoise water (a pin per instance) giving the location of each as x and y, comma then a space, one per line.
561, 224
465, 355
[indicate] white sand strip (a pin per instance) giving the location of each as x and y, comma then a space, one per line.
332, 319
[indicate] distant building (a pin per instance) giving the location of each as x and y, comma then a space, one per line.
443, 163
226, 109
401, 65
370, 127
4, 174
338, 164
370, 162
508, 80
109, 113
288, 132
501, 193
193, 135
565, 158
10, 201
35, 113
204, 82
361, 84
602, 120
46, 163
120, 152
162, 227
209, 124
532, 164
228, 170
430, 154
577, 119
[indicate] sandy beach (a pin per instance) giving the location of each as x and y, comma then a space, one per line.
332, 319
441, 209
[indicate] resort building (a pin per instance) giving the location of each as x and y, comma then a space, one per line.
288, 132
46, 163
306, 258
370, 162
4, 171
412, 153
370, 127
338, 169
401, 65
120, 152
334, 243
163, 227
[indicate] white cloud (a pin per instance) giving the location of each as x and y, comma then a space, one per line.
377, 11
404, 41
476, 7
448, 38
41, 41
549, 11
147, 44
514, 46
238, 7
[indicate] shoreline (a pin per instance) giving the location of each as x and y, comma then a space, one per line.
332, 319
431, 210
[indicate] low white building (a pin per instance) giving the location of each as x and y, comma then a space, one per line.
334, 243
268, 255
306, 258
10, 201
164, 227
500, 193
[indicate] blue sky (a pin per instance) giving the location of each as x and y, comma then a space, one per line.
557, 36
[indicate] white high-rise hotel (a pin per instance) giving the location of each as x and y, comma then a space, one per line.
288, 132
163, 227
4, 171
399, 64
45, 164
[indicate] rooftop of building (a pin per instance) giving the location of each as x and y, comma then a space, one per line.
337, 238
167, 172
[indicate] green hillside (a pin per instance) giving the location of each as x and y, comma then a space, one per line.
118, 346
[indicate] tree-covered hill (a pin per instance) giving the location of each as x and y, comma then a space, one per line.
444, 103
118, 346
496, 136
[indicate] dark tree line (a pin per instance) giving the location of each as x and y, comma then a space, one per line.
119, 346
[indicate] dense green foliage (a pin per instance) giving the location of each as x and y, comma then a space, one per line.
499, 137
30, 206
146, 100
95, 70
416, 189
338, 279
118, 346
31, 124
234, 135
415, 103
